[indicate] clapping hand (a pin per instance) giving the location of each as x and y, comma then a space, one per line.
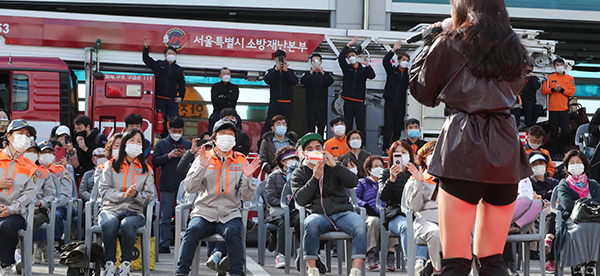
4, 211
416, 173
6, 183
204, 162
130, 192
252, 167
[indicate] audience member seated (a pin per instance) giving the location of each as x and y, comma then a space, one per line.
357, 152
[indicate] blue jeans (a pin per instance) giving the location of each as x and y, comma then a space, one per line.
347, 222
200, 228
110, 226
398, 227
167, 206
59, 226
169, 108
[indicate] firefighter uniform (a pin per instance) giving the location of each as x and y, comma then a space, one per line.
558, 107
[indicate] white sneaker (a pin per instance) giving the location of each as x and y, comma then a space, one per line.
7, 271
125, 269
111, 269
419, 264
280, 261
312, 271
354, 272
213, 261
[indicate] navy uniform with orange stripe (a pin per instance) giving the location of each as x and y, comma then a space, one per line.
354, 89
281, 84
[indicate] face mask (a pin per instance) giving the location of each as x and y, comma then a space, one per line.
292, 162
316, 63
576, 169
175, 136
560, 69
414, 133
539, 170
375, 172
46, 159
404, 64
280, 130
20, 142
534, 146
226, 78
354, 170
428, 160
115, 154
81, 133
101, 160
133, 150
528, 71
339, 130
171, 58
352, 60
225, 142
314, 156
31, 156
405, 159
355, 144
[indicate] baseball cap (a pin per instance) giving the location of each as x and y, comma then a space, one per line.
19, 124
63, 130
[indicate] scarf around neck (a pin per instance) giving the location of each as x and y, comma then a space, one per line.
579, 184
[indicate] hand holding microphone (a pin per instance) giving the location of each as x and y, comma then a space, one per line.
431, 32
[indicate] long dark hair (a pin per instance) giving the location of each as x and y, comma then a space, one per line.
493, 49
116, 164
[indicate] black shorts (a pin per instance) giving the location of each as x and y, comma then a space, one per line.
472, 192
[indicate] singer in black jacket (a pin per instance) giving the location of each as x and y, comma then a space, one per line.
394, 94
354, 86
317, 83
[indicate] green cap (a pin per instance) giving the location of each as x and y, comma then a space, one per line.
309, 137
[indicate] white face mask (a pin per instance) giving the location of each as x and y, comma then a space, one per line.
355, 143
101, 160
534, 146
539, 170
375, 172
314, 156
175, 136
405, 159
115, 153
404, 64
46, 159
560, 69
225, 142
354, 170
226, 78
133, 150
291, 162
339, 130
576, 169
31, 156
171, 58
428, 160
352, 60
20, 142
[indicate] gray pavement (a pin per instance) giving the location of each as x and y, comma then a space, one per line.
166, 266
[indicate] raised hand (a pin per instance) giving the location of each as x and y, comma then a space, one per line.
397, 45
416, 173
195, 147
252, 167
202, 157
394, 171
354, 40
147, 41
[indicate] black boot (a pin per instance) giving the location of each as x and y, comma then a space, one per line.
456, 267
492, 266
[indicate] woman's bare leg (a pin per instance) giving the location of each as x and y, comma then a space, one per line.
456, 224
491, 228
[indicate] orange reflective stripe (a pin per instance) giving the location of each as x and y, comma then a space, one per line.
284, 101
227, 180
13, 178
351, 99
414, 148
161, 97
124, 175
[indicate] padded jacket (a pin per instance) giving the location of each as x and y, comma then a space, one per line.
23, 191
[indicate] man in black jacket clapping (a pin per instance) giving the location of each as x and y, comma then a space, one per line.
281, 80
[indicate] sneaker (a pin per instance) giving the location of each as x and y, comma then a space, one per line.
550, 266
164, 250
534, 255
419, 264
125, 269
427, 269
297, 261
18, 267
372, 261
514, 229
589, 269
512, 272
223, 265
391, 262
576, 271
321, 265
37, 252
18, 263
7, 271
354, 272
272, 242
250, 226
548, 245
213, 261
111, 269
280, 261
312, 271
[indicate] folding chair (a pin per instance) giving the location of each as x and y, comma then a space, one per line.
26, 237
525, 239
263, 226
77, 204
286, 197
384, 236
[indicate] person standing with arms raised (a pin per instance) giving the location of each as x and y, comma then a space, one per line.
477, 68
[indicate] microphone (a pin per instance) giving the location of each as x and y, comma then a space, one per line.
446, 25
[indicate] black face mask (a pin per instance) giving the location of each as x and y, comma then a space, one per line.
528, 71
81, 133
